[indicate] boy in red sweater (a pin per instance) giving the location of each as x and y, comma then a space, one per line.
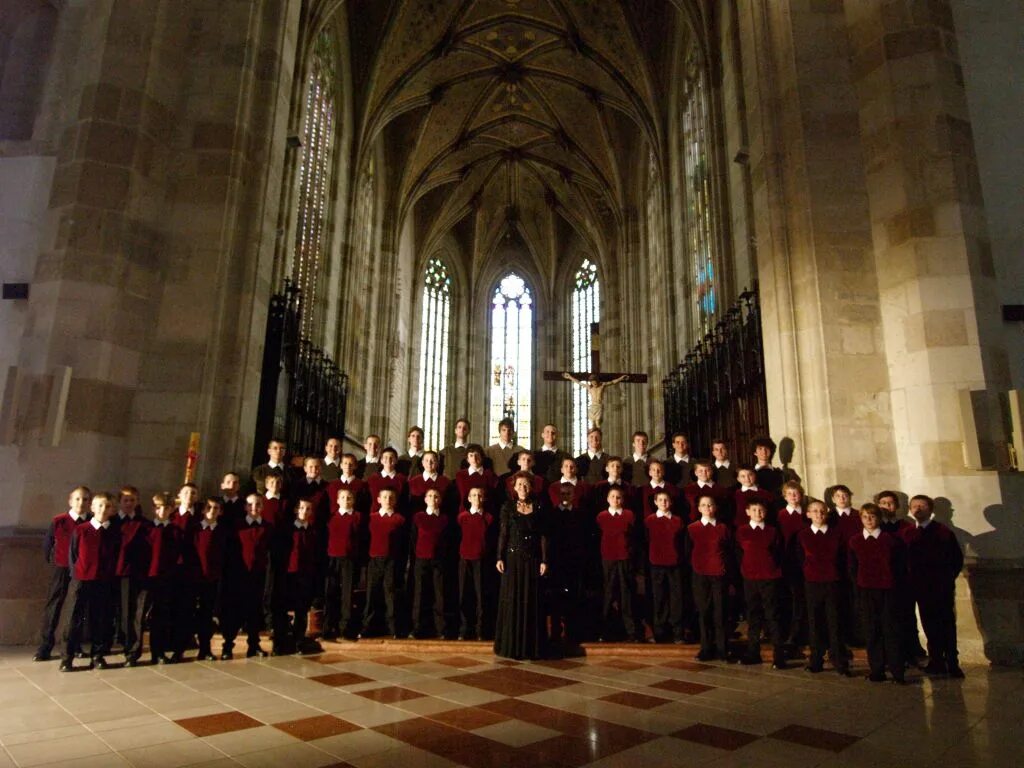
748, 492
821, 554
164, 555
666, 535
790, 521
475, 475
92, 560
343, 531
759, 547
705, 486
56, 548
427, 553
387, 529
429, 478
299, 582
934, 559
245, 575
874, 560
475, 525
132, 573
847, 520
616, 526
209, 543
710, 543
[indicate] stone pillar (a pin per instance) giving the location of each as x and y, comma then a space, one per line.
825, 359
938, 292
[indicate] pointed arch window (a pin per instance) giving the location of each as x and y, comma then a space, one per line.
511, 356
585, 308
697, 181
318, 127
435, 318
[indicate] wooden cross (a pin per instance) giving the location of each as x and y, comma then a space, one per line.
595, 380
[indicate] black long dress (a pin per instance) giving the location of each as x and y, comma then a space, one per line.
523, 545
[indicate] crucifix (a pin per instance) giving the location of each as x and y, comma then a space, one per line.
595, 380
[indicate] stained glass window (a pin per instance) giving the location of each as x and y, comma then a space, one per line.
314, 178
434, 326
585, 309
511, 372
697, 193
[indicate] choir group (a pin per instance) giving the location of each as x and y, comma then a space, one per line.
638, 548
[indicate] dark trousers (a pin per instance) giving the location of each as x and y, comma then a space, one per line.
60, 579
243, 607
183, 596
667, 593
338, 595
762, 599
428, 570
133, 596
794, 604
87, 608
300, 600
569, 603
206, 602
879, 617
909, 636
823, 622
380, 589
161, 616
709, 602
938, 619
849, 611
471, 597
618, 582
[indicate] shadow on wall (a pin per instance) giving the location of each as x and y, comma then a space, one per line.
995, 573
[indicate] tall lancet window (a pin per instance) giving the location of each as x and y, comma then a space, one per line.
511, 356
434, 324
585, 309
314, 179
697, 193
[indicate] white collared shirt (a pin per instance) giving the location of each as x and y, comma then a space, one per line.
95, 523
386, 512
661, 513
347, 479
720, 464
920, 524
657, 485
616, 481
372, 459
872, 534
549, 448
389, 475
708, 521
206, 525
475, 511
329, 461
638, 457
746, 488
794, 510
343, 511
75, 516
761, 466
757, 526
272, 465
184, 511
680, 459
702, 484
475, 470
232, 500
569, 480
161, 523
414, 454
427, 477
270, 495
302, 525
614, 512
504, 446
250, 520
593, 455
432, 512
844, 512
816, 529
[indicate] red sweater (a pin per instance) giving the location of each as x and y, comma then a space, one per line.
790, 524
647, 498
849, 525
760, 552
822, 554
302, 556
466, 482
579, 493
474, 534
165, 549
665, 537
616, 532
359, 489
429, 535
93, 553
740, 500
709, 548
254, 543
185, 522
342, 531
385, 531
209, 546
133, 556
275, 512
934, 557
418, 488
872, 561
58, 538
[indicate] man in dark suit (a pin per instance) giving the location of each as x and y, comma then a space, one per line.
547, 460
502, 454
330, 469
369, 465
634, 468
724, 471
677, 466
411, 462
453, 457
590, 463
276, 464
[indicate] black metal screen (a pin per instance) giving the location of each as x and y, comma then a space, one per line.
718, 391
303, 393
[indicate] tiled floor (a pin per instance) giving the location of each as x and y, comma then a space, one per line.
360, 705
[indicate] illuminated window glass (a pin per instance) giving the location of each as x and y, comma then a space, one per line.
314, 179
511, 372
434, 327
585, 309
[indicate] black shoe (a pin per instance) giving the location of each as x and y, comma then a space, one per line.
255, 653
131, 661
163, 660
226, 655
100, 663
177, 658
705, 655
206, 657
66, 665
79, 654
875, 678
41, 655
779, 664
749, 660
844, 672
956, 672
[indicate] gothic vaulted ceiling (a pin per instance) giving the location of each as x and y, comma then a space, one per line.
511, 110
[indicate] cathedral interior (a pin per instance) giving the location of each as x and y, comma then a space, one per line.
211, 211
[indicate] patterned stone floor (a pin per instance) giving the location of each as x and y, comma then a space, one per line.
397, 705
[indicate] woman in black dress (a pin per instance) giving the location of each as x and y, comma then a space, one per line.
522, 561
